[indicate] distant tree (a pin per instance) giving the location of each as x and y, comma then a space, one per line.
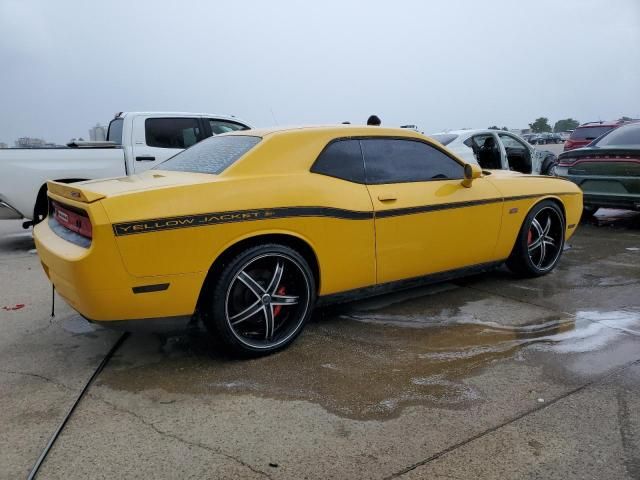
625, 119
566, 124
540, 125
505, 129
494, 127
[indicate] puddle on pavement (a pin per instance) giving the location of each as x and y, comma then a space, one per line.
372, 360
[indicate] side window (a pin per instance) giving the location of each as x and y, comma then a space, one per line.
341, 159
223, 126
509, 142
172, 132
396, 161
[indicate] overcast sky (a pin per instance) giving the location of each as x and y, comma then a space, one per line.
66, 65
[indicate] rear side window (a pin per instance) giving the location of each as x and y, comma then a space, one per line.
341, 159
627, 135
397, 161
114, 134
589, 133
172, 132
212, 155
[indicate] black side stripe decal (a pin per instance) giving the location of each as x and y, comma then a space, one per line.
171, 223
216, 218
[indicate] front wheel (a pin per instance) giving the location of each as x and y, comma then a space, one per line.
261, 300
540, 241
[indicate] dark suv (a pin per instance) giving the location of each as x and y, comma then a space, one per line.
588, 132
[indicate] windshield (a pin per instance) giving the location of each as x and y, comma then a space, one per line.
114, 134
589, 133
627, 135
212, 155
445, 138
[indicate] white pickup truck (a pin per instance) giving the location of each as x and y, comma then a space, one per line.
136, 141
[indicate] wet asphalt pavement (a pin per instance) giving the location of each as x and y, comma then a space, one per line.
486, 377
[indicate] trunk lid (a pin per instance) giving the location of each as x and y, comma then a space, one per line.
92, 190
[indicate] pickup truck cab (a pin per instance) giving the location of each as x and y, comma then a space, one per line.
136, 141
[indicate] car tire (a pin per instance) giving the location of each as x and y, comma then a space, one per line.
549, 166
261, 300
540, 242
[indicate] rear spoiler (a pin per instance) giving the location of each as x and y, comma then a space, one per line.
74, 193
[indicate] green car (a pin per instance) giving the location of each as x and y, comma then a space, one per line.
607, 170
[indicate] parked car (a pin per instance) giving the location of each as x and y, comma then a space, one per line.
588, 132
246, 230
564, 136
496, 149
135, 142
608, 170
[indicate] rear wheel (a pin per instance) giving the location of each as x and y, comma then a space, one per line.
540, 241
261, 300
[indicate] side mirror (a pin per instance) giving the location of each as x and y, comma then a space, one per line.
471, 172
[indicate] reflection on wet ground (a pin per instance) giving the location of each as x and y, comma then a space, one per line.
372, 358
370, 364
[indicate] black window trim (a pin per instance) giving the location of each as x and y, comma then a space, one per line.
198, 120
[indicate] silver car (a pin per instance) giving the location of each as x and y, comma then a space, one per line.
498, 149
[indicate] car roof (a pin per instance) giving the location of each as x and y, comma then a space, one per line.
183, 114
332, 130
471, 131
600, 124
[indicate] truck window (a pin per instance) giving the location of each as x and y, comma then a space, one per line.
172, 132
114, 134
224, 126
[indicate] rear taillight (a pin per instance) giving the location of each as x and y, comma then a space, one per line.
73, 219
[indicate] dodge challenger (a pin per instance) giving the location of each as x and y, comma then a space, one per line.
248, 231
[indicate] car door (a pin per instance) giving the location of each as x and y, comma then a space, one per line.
426, 221
158, 138
517, 153
486, 150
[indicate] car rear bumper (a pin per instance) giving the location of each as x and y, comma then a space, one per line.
627, 202
606, 191
95, 283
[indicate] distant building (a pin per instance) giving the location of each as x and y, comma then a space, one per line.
30, 142
98, 133
3, 145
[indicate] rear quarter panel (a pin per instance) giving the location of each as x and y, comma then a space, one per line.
344, 247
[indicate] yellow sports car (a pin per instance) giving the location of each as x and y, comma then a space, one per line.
249, 230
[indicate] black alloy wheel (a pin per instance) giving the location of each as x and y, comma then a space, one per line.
540, 241
262, 300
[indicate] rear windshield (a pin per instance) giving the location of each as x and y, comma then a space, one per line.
212, 155
589, 133
627, 135
444, 139
114, 134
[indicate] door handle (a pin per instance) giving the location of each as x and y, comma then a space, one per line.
389, 197
145, 159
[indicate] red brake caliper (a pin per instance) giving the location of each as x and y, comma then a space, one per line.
277, 308
529, 237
